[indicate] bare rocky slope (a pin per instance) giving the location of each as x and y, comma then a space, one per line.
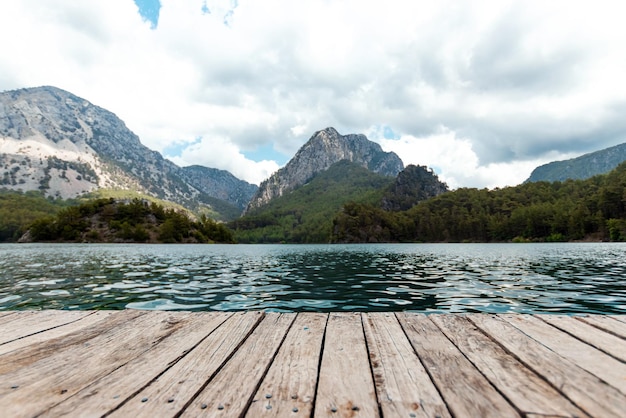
64, 146
323, 149
580, 168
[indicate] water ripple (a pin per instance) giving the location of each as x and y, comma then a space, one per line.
529, 278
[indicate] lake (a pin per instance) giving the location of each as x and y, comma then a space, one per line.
567, 278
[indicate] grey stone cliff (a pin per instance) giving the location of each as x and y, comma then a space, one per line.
325, 148
64, 146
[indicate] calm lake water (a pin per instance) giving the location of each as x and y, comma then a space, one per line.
529, 278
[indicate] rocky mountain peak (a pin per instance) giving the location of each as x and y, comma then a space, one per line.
64, 146
322, 150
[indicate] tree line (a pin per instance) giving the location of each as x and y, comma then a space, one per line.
560, 211
136, 220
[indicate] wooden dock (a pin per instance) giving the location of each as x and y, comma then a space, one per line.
150, 364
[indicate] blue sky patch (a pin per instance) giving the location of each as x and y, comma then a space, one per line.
266, 152
388, 133
149, 11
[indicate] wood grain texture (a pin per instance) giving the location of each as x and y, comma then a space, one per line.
60, 375
29, 323
137, 363
610, 324
403, 386
173, 390
33, 353
602, 340
292, 377
230, 392
585, 390
57, 332
465, 390
111, 391
523, 388
345, 387
583, 355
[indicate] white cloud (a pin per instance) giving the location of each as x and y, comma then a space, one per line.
218, 152
455, 161
515, 83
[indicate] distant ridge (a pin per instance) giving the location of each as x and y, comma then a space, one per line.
581, 168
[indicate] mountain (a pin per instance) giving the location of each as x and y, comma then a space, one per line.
305, 214
64, 146
323, 149
580, 168
220, 184
414, 184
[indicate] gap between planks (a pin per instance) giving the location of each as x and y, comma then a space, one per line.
132, 363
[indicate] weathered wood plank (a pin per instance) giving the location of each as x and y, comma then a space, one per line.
108, 362
231, 391
16, 315
595, 397
174, 389
30, 324
403, 386
6, 316
465, 390
607, 323
60, 375
610, 344
35, 352
583, 355
345, 387
60, 331
292, 377
109, 392
523, 388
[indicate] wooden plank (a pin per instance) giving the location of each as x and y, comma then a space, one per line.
403, 386
345, 386
608, 343
606, 323
53, 333
232, 389
61, 375
16, 315
6, 316
595, 397
621, 318
109, 392
583, 355
29, 324
292, 377
35, 352
465, 390
527, 391
174, 389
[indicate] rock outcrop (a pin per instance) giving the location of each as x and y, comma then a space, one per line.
325, 148
414, 184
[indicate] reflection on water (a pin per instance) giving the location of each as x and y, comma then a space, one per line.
529, 278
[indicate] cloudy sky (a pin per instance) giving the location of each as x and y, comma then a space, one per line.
481, 91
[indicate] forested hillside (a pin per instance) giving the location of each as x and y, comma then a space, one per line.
305, 214
108, 220
18, 210
560, 211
